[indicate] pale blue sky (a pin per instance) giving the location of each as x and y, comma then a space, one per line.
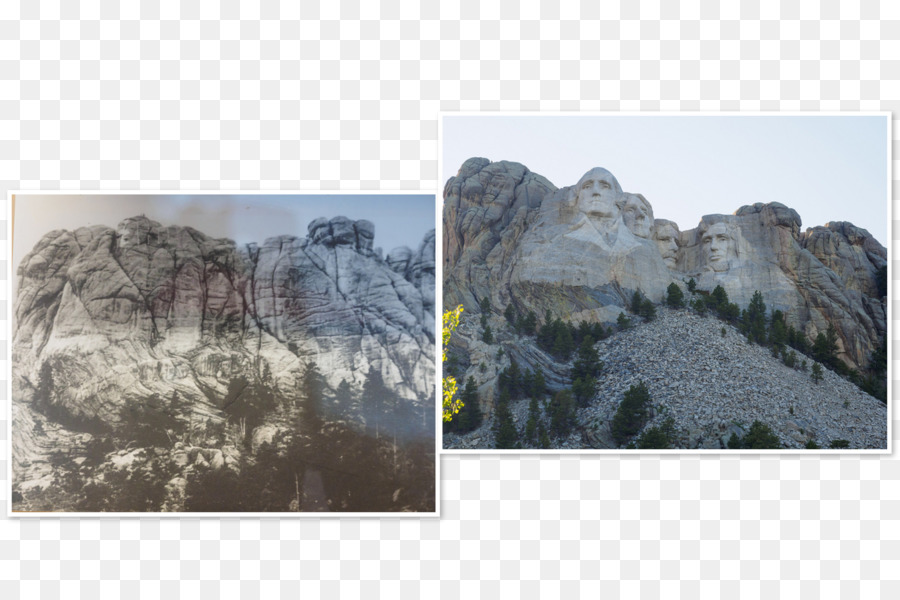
828, 168
400, 219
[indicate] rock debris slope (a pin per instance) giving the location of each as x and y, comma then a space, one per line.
712, 386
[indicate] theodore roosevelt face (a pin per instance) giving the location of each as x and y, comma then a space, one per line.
667, 242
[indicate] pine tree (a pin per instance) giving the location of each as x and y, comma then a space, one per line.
312, 388
487, 335
730, 312
825, 347
623, 321
469, 417
376, 399
778, 332
543, 438
631, 414
534, 417
344, 399
816, 373
510, 314
538, 384
761, 437
660, 437
583, 390
718, 298
648, 310
755, 319
699, 305
505, 434
691, 285
587, 362
563, 343
562, 413
637, 301
529, 323
674, 296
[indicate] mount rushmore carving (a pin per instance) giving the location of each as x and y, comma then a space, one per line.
582, 250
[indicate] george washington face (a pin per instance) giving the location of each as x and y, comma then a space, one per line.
597, 193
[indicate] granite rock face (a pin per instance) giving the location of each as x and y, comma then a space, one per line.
122, 314
581, 251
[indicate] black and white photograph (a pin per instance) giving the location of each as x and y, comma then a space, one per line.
223, 353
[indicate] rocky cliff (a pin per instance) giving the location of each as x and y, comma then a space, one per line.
583, 250
115, 316
515, 242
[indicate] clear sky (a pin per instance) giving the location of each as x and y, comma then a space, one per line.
827, 168
400, 219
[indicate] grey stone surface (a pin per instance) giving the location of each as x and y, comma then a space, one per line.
582, 251
121, 314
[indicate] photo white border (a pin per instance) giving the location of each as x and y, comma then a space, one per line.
687, 451
10, 213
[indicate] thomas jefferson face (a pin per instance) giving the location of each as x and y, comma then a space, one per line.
596, 193
716, 242
667, 242
638, 216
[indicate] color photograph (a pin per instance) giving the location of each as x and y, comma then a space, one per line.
666, 282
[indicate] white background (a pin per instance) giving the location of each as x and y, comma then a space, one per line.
346, 96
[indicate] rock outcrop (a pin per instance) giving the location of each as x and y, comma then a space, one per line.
582, 251
113, 316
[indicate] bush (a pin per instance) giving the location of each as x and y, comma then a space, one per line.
659, 437
699, 305
839, 444
761, 437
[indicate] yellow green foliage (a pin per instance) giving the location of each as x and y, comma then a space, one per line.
451, 322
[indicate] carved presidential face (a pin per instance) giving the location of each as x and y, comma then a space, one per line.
716, 243
667, 242
597, 193
638, 216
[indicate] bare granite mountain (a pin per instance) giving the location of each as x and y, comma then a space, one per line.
113, 317
583, 250
517, 244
